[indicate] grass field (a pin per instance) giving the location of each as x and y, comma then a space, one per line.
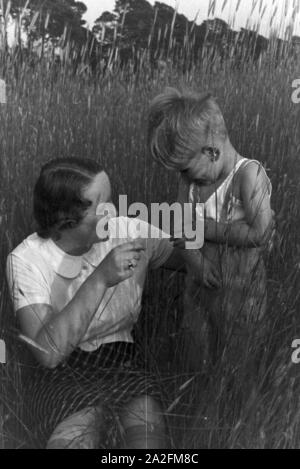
51, 115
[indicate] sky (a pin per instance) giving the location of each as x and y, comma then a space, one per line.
238, 13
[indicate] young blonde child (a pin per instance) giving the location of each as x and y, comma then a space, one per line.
187, 133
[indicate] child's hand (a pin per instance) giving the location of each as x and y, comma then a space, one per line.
206, 274
178, 243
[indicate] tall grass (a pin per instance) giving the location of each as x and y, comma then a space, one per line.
58, 113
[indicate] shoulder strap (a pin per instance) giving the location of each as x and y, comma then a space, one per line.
191, 197
261, 168
229, 194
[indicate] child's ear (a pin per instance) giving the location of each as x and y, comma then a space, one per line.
212, 153
215, 154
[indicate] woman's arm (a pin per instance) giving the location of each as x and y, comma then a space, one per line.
58, 334
258, 226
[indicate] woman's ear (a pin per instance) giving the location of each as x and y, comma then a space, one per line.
71, 223
66, 223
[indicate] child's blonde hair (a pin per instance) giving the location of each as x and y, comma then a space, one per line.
178, 122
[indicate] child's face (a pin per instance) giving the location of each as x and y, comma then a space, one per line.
203, 168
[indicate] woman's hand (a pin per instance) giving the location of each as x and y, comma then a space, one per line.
120, 262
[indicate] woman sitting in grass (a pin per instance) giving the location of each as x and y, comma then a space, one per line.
187, 133
77, 298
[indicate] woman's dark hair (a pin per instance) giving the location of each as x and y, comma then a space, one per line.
57, 198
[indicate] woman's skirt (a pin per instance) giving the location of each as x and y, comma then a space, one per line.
109, 377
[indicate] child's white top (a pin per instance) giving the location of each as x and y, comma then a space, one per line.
215, 204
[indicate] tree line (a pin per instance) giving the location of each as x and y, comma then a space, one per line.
134, 31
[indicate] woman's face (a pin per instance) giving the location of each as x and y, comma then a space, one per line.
98, 191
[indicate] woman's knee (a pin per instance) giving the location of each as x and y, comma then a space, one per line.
143, 409
81, 430
143, 424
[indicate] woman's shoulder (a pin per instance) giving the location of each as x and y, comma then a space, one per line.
31, 243
29, 250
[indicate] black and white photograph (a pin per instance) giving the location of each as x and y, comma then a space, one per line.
149, 217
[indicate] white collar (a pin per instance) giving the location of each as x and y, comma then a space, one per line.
70, 266
64, 264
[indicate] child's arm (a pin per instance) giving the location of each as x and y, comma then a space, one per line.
258, 226
204, 271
